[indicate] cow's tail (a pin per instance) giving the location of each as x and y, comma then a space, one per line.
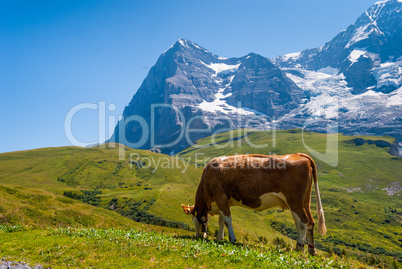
322, 229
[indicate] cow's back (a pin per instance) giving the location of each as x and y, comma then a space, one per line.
245, 179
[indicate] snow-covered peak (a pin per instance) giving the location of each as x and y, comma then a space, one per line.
377, 30
381, 3
376, 21
186, 45
383, 8
381, 21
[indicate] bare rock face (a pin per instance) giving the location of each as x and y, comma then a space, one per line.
259, 85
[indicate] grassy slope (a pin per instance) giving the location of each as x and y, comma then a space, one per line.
70, 168
39, 208
368, 167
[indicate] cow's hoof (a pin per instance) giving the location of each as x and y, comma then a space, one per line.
299, 246
312, 251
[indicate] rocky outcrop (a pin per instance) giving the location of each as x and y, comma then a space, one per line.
393, 147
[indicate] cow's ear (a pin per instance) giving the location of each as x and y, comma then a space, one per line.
188, 209
192, 210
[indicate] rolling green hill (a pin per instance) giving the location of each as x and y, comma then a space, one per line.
40, 208
362, 218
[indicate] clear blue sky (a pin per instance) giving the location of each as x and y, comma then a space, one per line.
57, 54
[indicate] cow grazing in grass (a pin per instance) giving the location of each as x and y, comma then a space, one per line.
258, 182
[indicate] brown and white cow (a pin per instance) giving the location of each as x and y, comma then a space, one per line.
258, 182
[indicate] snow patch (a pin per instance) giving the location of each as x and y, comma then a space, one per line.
383, 2
221, 67
330, 94
198, 47
326, 92
181, 41
355, 55
329, 70
360, 34
220, 105
293, 56
389, 74
395, 98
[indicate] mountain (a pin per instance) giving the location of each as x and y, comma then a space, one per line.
192, 88
363, 52
352, 84
355, 79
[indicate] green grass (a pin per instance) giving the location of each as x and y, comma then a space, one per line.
357, 208
72, 169
358, 211
39, 208
111, 248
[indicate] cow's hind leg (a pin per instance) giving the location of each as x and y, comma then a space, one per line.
310, 238
221, 233
301, 221
310, 228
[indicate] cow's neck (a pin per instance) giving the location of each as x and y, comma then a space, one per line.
201, 204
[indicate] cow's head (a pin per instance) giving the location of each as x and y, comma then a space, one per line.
200, 219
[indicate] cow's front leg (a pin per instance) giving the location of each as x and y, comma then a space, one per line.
228, 222
224, 208
221, 232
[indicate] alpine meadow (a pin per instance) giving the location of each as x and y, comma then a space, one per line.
160, 183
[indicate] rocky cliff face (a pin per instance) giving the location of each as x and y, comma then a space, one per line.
352, 84
191, 88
